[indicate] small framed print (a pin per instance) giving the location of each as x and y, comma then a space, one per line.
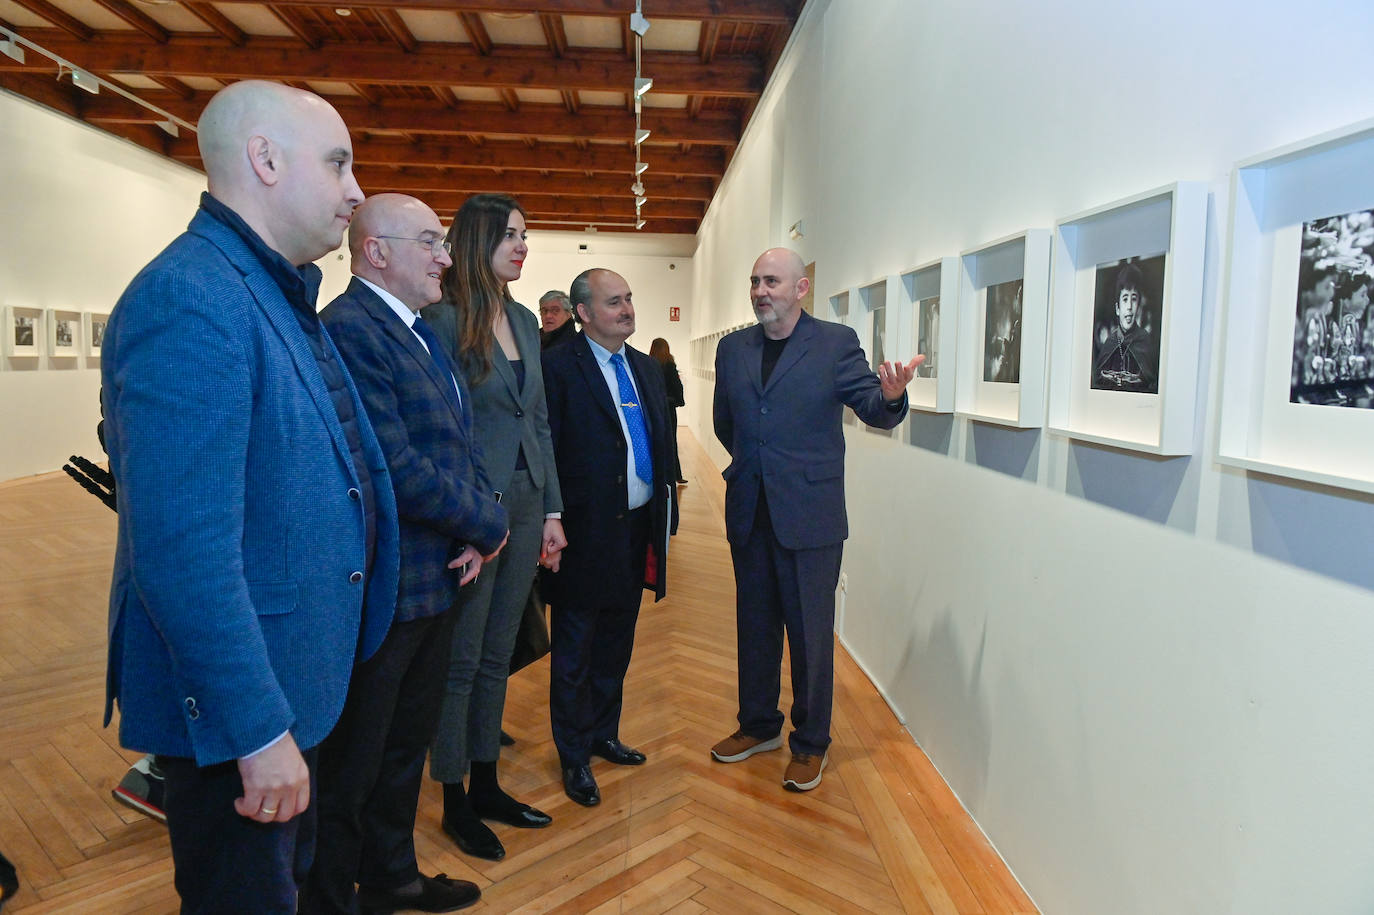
23, 331
1003, 300
1297, 389
929, 299
874, 318
1125, 319
94, 326
65, 334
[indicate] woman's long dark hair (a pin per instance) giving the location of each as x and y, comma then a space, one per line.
470, 285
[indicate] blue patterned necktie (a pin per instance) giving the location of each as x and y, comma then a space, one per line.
436, 352
634, 420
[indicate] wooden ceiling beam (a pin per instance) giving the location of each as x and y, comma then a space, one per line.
63, 20
222, 24
431, 153
776, 12
605, 225
536, 120
398, 30
477, 32
431, 64
290, 18
420, 182
622, 207
182, 91
136, 18
554, 33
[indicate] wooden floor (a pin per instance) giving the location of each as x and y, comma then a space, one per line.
882, 833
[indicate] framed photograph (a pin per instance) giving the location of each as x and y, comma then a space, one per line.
23, 331
1003, 301
929, 297
94, 325
839, 306
874, 316
65, 334
1126, 304
1296, 392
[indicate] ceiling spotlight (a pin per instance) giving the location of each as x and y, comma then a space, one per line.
641, 135
639, 224
641, 168
83, 80
639, 201
342, 11
642, 85
13, 50
798, 230
169, 127
637, 189
638, 24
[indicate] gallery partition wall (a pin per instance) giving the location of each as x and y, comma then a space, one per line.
1133, 638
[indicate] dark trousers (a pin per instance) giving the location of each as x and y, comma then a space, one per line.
591, 637
777, 589
371, 767
226, 863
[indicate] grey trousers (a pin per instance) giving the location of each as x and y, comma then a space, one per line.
488, 618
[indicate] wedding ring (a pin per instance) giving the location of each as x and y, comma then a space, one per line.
270, 811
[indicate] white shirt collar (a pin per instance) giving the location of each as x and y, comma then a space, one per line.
403, 311
603, 355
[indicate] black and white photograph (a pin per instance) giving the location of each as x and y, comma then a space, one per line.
1333, 328
97, 331
878, 348
1002, 333
1127, 299
63, 335
23, 330
928, 336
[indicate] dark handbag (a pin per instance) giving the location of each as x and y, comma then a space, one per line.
9, 881
532, 641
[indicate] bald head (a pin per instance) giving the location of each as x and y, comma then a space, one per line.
776, 288
397, 242
282, 159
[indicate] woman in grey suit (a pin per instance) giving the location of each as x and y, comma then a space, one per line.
496, 341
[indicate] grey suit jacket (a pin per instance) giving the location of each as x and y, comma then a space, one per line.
506, 417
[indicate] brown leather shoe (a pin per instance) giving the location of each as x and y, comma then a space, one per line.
739, 746
804, 771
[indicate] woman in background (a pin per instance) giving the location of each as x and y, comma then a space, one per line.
496, 342
673, 382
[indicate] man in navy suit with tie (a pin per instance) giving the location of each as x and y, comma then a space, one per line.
781, 389
257, 545
372, 763
608, 415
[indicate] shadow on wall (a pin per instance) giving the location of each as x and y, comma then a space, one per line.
1313, 527
1148, 486
930, 431
1014, 452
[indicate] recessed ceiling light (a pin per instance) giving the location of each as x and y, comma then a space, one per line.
342, 11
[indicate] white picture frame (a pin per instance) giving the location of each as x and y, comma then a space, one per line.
24, 331
1158, 416
66, 333
839, 305
986, 350
93, 329
877, 320
928, 297
1273, 197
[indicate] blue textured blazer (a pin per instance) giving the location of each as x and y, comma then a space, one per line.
442, 493
238, 605
787, 435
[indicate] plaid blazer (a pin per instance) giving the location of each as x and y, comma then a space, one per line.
443, 498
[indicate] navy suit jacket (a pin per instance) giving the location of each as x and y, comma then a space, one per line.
787, 436
238, 605
442, 493
584, 420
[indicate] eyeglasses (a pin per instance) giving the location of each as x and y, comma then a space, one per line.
435, 245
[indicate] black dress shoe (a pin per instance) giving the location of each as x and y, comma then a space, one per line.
474, 839
581, 786
508, 810
617, 752
440, 893
506, 739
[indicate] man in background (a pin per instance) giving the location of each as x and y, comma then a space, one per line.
556, 325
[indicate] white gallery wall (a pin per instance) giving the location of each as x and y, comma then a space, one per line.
1148, 679
81, 212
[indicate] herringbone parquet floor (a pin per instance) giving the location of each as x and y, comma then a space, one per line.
681, 834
